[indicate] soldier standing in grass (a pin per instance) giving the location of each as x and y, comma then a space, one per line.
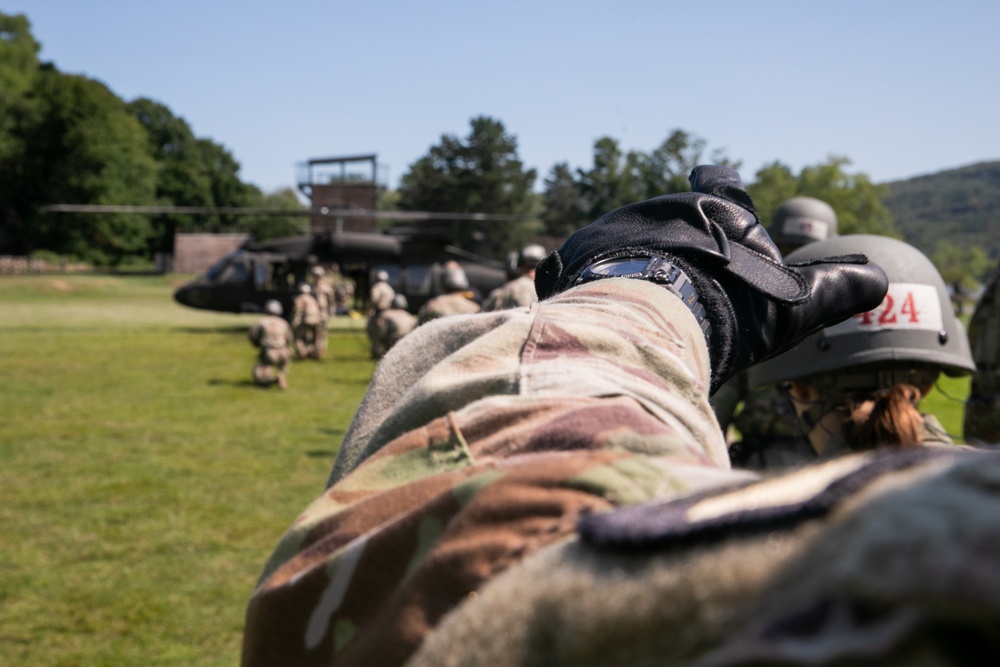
549, 486
323, 289
306, 323
380, 298
273, 336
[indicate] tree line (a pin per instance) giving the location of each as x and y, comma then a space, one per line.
69, 139
482, 171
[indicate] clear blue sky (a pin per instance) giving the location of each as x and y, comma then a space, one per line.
901, 87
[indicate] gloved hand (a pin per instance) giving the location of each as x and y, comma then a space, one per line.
757, 305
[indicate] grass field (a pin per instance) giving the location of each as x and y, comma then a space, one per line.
143, 478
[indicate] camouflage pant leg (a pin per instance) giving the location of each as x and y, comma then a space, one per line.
321, 340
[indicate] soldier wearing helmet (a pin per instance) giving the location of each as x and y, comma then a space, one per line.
381, 293
306, 322
391, 325
457, 299
800, 221
767, 421
273, 336
380, 298
521, 290
322, 289
857, 385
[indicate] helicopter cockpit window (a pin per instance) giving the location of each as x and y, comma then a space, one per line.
260, 271
418, 280
216, 270
235, 272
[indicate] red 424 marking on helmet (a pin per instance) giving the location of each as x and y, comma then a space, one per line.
889, 315
906, 306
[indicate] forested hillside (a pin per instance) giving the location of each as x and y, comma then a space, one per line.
960, 206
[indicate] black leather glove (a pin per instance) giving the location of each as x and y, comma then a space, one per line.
757, 305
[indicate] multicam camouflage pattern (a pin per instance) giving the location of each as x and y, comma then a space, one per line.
481, 441
309, 327
273, 336
381, 296
886, 558
325, 296
768, 414
343, 295
770, 434
515, 294
982, 409
455, 500
455, 303
388, 328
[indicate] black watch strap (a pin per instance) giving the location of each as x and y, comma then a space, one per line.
659, 270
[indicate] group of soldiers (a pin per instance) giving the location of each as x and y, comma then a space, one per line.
551, 485
305, 337
389, 320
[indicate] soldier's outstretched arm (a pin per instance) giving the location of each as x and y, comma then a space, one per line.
485, 438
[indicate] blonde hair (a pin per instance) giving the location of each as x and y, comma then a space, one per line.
885, 417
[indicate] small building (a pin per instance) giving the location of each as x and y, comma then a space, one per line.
194, 253
341, 184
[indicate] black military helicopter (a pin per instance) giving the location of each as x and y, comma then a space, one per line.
414, 259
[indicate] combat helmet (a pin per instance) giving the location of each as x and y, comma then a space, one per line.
272, 307
455, 280
914, 326
800, 221
524, 259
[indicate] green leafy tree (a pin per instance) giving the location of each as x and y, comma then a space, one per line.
562, 203
480, 174
269, 226
857, 201
190, 172
617, 177
18, 68
76, 143
669, 165
18, 56
961, 267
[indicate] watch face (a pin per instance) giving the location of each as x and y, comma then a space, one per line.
631, 267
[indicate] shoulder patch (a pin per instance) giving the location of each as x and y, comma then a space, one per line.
777, 502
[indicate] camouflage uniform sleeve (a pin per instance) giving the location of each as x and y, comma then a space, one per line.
483, 439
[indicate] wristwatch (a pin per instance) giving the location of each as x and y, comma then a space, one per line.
658, 270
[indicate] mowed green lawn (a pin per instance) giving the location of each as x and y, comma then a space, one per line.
143, 478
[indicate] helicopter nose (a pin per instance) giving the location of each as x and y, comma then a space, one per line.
192, 296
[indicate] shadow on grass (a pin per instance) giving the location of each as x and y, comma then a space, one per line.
217, 382
321, 453
229, 329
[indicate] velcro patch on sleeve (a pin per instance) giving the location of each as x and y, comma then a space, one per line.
777, 502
